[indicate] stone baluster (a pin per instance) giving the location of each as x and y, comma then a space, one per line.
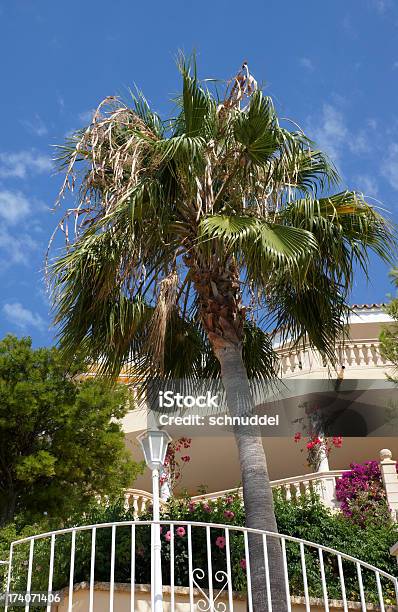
375, 355
356, 354
145, 503
134, 505
340, 355
307, 487
291, 362
127, 496
349, 354
318, 488
288, 493
361, 354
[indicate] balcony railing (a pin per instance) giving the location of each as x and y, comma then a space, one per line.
321, 483
203, 565
354, 354
139, 501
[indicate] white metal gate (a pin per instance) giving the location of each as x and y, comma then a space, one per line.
212, 562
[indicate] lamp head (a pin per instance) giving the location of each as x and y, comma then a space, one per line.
154, 444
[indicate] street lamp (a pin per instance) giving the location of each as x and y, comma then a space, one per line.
154, 446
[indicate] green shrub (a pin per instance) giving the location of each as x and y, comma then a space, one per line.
305, 518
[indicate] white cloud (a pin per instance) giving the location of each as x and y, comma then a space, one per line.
15, 249
61, 103
366, 184
348, 27
358, 143
22, 317
14, 206
306, 63
382, 5
22, 163
17, 245
36, 125
332, 135
389, 168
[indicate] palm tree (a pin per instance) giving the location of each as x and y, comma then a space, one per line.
188, 234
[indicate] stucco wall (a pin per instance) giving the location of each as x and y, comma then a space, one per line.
122, 601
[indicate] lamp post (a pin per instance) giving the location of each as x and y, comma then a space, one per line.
154, 446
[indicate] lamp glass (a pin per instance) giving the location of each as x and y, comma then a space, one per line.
154, 446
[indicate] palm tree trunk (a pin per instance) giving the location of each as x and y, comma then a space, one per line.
220, 302
257, 493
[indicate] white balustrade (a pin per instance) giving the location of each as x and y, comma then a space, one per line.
352, 354
139, 501
320, 483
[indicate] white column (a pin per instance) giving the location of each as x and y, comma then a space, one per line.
165, 488
157, 596
390, 480
323, 465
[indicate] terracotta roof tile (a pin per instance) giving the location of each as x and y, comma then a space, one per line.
367, 306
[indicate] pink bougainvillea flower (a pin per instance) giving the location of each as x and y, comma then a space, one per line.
206, 508
242, 563
229, 514
220, 542
191, 506
297, 436
168, 536
186, 458
180, 531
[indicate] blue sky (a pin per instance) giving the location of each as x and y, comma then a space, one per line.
330, 66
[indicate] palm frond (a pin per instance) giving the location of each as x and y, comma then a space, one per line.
256, 242
196, 103
148, 116
255, 128
314, 314
346, 229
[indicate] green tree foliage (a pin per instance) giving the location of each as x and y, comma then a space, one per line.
389, 335
61, 441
